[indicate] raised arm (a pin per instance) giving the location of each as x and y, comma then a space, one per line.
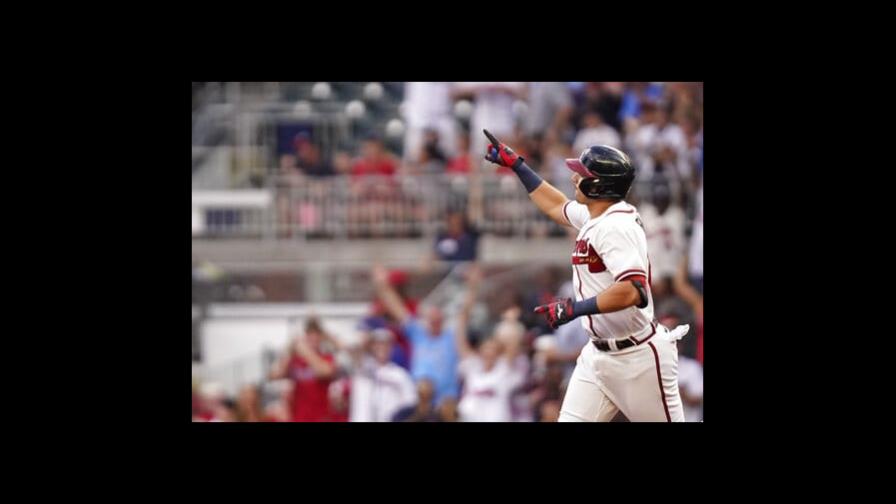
474, 276
546, 197
390, 298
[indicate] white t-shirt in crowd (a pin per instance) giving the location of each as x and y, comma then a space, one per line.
487, 394
379, 391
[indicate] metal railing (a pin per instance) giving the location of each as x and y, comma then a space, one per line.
402, 206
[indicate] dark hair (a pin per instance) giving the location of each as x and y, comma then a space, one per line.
313, 325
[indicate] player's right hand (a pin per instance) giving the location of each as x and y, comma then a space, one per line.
503, 156
558, 312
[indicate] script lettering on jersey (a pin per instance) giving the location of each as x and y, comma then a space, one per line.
584, 253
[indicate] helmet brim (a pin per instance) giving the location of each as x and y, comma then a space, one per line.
577, 166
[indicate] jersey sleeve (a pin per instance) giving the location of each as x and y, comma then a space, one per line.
618, 247
576, 214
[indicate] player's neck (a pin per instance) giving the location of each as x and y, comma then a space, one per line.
597, 207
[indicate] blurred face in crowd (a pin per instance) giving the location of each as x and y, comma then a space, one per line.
372, 149
662, 117
662, 198
381, 349
425, 391
434, 319
463, 144
455, 223
448, 410
592, 120
312, 338
342, 161
649, 113
490, 351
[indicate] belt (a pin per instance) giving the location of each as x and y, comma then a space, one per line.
607, 345
621, 344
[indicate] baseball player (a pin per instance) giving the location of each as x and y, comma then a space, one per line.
631, 362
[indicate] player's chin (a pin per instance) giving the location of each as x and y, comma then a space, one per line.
580, 198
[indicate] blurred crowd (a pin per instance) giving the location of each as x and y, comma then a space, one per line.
484, 356
660, 125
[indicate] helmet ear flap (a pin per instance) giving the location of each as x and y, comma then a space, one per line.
588, 186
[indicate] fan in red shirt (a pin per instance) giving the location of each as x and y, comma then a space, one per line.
463, 161
311, 371
374, 160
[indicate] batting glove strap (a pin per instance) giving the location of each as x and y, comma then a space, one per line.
504, 156
557, 313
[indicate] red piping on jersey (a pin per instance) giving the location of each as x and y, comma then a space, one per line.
652, 332
630, 272
590, 323
564, 212
659, 379
620, 211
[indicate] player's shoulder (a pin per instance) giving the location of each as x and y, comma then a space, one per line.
619, 216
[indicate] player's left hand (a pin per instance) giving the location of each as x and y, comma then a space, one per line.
558, 312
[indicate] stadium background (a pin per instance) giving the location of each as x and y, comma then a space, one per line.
301, 189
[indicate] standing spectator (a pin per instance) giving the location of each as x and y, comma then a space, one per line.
379, 387
492, 372
309, 159
458, 241
659, 148
373, 206
310, 370
433, 351
375, 159
428, 105
664, 228
401, 349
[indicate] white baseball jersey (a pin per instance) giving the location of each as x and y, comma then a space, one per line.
488, 394
610, 248
379, 391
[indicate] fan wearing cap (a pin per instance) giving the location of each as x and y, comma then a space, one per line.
379, 387
624, 366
